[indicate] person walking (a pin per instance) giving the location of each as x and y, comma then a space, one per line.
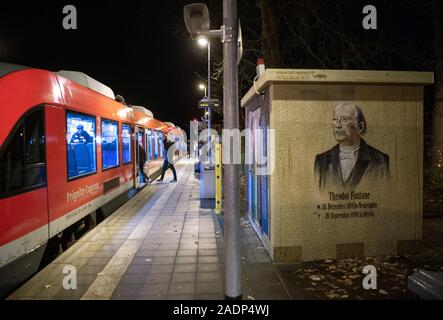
166, 163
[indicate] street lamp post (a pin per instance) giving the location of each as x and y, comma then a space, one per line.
205, 42
209, 98
206, 117
197, 22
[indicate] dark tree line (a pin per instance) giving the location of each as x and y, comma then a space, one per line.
328, 34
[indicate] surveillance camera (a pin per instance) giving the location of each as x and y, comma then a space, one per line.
196, 18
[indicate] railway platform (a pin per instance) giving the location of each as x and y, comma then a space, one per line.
164, 244
160, 245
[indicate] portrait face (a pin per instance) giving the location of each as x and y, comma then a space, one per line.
345, 124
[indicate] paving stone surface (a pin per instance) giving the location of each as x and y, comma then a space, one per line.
163, 244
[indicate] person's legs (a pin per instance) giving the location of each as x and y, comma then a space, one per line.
171, 166
142, 171
147, 180
164, 168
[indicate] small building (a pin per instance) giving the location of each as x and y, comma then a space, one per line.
343, 175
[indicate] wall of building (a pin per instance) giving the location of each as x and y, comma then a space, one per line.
377, 216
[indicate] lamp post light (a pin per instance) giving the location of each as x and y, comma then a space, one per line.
202, 87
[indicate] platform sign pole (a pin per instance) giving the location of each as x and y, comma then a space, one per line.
218, 178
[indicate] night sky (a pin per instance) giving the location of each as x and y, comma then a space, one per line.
141, 49
138, 48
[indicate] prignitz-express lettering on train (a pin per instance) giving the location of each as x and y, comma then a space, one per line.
82, 192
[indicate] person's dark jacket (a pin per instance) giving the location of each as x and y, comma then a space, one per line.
166, 145
370, 163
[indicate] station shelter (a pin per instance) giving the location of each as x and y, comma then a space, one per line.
335, 164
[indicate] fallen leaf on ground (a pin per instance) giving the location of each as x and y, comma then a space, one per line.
315, 278
348, 282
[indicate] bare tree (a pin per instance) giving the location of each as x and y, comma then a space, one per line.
316, 34
437, 132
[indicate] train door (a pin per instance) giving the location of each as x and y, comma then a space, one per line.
23, 198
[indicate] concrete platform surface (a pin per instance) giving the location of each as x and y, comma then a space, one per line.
159, 245
167, 244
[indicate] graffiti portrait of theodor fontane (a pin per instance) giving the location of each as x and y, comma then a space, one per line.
345, 164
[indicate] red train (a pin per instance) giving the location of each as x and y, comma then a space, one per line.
67, 150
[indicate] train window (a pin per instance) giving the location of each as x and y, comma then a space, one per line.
149, 144
110, 144
34, 135
23, 164
80, 139
160, 141
155, 144
126, 135
152, 145
140, 138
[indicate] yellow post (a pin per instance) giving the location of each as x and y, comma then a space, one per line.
218, 178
